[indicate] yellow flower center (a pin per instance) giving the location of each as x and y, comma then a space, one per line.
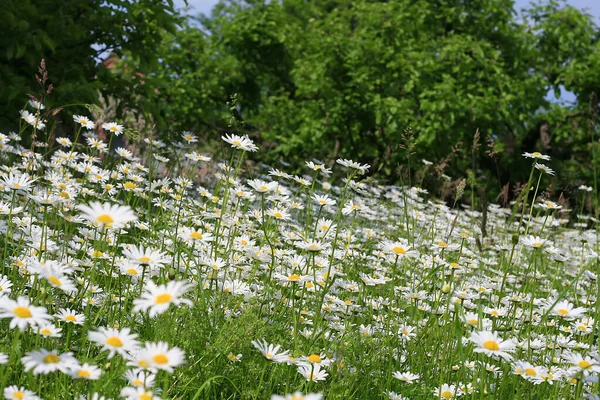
70, 318
277, 214
137, 382
584, 364
294, 277
129, 185
562, 311
163, 298
473, 321
143, 363
46, 331
19, 395
399, 250
144, 259
132, 271
537, 244
51, 359
237, 143
145, 396
314, 358
196, 235
97, 254
443, 244
491, 345
537, 153
22, 312
105, 219
446, 395
84, 374
54, 280
114, 341
530, 371
160, 359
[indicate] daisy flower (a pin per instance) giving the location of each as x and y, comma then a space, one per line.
161, 357
240, 142
49, 331
107, 215
83, 121
312, 373
5, 285
311, 245
36, 104
17, 181
446, 392
23, 314
543, 168
271, 352
567, 310
261, 186
323, 200
407, 377
362, 169
582, 364
140, 378
234, 357
533, 241
141, 256
189, 137
114, 340
398, 248
487, 342
157, 299
191, 235
3, 358
44, 361
15, 392
64, 141
70, 316
138, 393
86, 371
536, 155
113, 127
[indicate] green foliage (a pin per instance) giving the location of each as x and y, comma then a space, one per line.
73, 37
334, 79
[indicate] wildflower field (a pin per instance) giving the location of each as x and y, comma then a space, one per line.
125, 276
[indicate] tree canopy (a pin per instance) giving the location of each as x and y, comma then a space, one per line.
74, 37
336, 78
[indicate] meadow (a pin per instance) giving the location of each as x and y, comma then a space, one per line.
123, 275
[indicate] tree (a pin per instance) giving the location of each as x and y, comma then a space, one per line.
74, 37
336, 78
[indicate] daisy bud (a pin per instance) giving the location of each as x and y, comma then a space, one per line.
446, 288
515, 239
